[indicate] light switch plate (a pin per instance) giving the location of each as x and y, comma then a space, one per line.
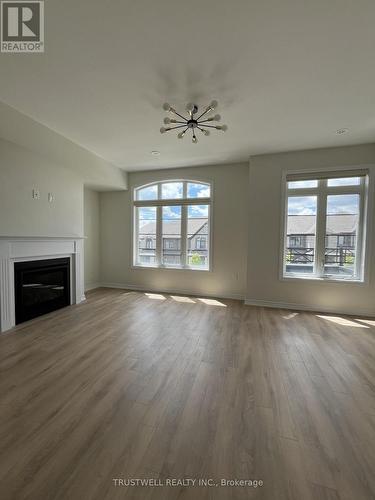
36, 194
50, 197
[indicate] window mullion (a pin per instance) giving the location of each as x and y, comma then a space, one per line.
136, 258
184, 261
159, 230
302, 192
321, 229
359, 244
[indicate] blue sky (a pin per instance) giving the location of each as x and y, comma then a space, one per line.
148, 193
302, 205
172, 212
174, 190
147, 213
336, 204
345, 181
197, 211
343, 204
198, 190
194, 211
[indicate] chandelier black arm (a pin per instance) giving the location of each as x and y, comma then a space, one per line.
177, 121
178, 114
210, 126
208, 120
173, 128
204, 112
201, 129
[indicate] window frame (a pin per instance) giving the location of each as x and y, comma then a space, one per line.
184, 202
365, 189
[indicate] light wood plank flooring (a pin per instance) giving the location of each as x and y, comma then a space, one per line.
130, 385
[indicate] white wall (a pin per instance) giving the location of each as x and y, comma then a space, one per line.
92, 238
264, 223
33, 156
21, 171
230, 222
93, 171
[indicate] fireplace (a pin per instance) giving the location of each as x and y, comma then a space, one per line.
15, 250
41, 286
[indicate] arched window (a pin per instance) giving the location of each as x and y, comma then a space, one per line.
174, 215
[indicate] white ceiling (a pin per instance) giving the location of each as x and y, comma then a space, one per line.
286, 74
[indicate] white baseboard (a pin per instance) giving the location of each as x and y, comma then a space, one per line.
92, 286
248, 302
306, 307
170, 290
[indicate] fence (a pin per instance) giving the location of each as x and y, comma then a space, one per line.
338, 255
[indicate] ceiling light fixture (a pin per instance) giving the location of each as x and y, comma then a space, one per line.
193, 122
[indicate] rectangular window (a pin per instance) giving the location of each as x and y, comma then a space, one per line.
345, 181
342, 217
146, 218
171, 236
325, 226
172, 225
302, 184
301, 233
197, 231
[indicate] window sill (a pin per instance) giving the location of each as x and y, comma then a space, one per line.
315, 279
156, 268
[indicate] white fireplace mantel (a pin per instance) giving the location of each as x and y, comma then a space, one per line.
23, 248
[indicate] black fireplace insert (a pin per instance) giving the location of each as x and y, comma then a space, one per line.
41, 286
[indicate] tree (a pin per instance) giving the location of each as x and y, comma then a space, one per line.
195, 259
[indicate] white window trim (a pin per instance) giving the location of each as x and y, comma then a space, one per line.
365, 223
159, 203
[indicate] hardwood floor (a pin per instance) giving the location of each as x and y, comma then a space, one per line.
130, 385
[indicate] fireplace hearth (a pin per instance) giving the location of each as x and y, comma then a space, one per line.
41, 286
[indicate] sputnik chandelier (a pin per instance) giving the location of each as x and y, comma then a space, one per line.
193, 122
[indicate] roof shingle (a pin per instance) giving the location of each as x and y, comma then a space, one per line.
336, 224
173, 227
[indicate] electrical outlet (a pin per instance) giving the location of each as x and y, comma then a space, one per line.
50, 197
36, 194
